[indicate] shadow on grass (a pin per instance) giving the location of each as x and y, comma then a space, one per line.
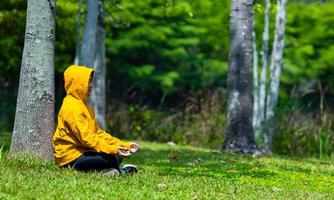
195, 163
192, 163
305, 170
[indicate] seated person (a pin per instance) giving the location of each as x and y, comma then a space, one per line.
79, 142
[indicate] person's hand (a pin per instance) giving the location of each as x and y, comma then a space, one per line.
134, 147
124, 152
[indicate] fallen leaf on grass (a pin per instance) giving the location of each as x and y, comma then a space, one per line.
276, 189
162, 186
173, 144
173, 157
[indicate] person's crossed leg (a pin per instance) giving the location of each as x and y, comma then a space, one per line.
106, 163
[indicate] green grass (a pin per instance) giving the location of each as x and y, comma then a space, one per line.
168, 172
5, 138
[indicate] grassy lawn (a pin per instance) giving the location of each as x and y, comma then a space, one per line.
172, 172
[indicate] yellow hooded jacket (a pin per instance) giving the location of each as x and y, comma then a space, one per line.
77, 129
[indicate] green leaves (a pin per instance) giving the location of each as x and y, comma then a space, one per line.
308, 53
179, 38
140, 72
167, 80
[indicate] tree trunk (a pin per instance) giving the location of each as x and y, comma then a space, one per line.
239, 133
263, 79
92, 54
77, 40
255, 86
275, 72
98, 97
34, 117
87, 52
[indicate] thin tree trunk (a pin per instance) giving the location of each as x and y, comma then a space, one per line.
98, 97
239, 133
255, 86
34, 117
88, 47
77, 40
322, 92
275, 72
92, 54
263, 81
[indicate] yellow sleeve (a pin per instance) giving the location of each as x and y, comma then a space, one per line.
79, 126
110, 139
106, 136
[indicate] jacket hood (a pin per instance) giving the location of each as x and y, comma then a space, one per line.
76, 80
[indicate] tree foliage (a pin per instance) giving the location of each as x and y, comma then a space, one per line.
310, 44
168, 46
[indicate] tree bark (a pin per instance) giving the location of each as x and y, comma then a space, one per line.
87, 52
77, 40
98, 96
239, 133
263, 79
92, 54
34, 117
255, 86
275, 72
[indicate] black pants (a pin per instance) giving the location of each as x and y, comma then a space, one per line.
95, 161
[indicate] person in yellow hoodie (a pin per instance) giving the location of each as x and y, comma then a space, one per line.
78, 141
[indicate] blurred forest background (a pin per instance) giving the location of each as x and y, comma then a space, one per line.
167, 70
